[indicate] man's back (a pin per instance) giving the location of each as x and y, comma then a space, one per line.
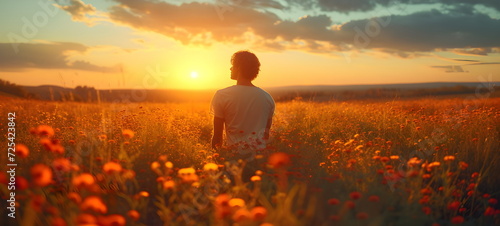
246, 111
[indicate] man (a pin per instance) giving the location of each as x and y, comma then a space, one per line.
245, 110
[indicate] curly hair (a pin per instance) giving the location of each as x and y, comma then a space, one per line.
247, 62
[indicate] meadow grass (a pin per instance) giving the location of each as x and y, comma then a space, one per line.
401, 162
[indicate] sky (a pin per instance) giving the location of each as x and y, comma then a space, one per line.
187, 44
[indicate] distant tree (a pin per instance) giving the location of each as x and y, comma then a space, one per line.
15, 90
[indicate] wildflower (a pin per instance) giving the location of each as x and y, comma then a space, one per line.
236, 202
128, 174
86, 219
355, 195
492, 201
41, 175
37, 202
449, 158
427, 210
279, 160
373, 198
432, 165
222, 200
45, 131
259, 172
426, 191
21, 183
144, 194
128, 133
94, 203
188, 175
490, 211
241, 215
333, 201
169, 165
168, 184
394, 157
83, 180
61, 164
210, 167
22, 151
155, 165
425, 199
362, 215
350, 204
454, 205
474, 175
384, 159
258, 213
335, 217
112, 167
255, 178
457, 220
111, 220
58, 221
75, 197
134, 215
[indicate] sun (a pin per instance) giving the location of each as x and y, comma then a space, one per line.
194, 74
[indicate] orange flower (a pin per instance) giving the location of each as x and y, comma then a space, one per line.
41, 175
44, 130
255, 178
463, 165
21, 183
83, 180
210, 167
236, 203
61, 164
37, 202
111, 220
258, 213
279, 160
241, 215
75, 197
144, 194
128, 133
188, 175
168, 184
22, 151
94, 203
384, 159
134, 214
58, 221
222, 200
86, 219
449, 158
112, 167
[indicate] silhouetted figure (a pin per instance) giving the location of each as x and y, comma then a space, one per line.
244, 110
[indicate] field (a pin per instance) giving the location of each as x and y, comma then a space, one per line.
398, 162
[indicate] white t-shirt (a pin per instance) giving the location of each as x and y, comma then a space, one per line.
245, 110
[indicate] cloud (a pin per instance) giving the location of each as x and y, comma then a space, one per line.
346, 6
204, 23
45, 55
451, 68
80, 11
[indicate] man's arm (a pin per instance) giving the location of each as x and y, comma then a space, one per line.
218, 128
268, 127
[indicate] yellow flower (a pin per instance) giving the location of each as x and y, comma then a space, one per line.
210, 167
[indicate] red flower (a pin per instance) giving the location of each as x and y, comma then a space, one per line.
457, 219
279, 160
355, 195
427, 210
373, 198
454, 205
333, 201
362, 215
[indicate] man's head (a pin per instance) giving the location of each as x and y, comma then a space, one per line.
245, 64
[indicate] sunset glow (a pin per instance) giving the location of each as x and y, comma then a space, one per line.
115, 44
